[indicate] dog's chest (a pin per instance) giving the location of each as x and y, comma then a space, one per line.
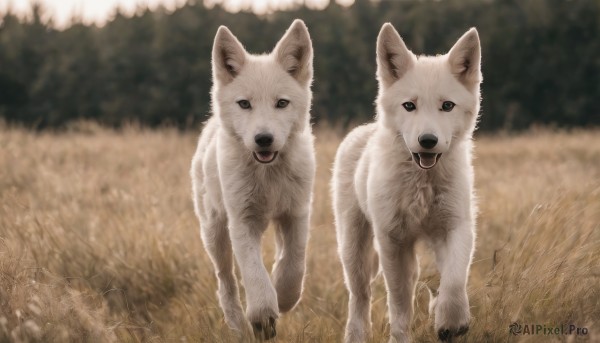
417, 195
418, 206
278, 190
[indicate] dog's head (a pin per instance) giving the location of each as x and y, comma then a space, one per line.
262, 99
428, 100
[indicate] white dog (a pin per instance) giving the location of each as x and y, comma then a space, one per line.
254, 164
408, 176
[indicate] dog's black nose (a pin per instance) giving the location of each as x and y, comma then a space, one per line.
264, 139
428, 140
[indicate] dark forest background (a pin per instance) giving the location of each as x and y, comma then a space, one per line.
541, 60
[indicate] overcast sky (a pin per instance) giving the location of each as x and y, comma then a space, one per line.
99, 11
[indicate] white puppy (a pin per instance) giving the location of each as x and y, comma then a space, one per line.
255, 164
408, 176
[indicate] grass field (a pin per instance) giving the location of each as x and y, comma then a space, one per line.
99, 242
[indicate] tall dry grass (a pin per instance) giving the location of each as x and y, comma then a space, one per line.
99, 243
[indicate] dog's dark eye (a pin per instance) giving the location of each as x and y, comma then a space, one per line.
447, 106
409, 106
282, 103
245, 104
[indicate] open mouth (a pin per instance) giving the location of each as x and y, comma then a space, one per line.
264, 156
426, 160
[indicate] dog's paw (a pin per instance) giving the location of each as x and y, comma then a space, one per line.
358, 328
452, 315
263, 321
354, 335
445, 335
265, 329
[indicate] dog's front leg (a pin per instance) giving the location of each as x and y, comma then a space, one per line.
288, 271
401, 271
261, 299
453, 258
218, 245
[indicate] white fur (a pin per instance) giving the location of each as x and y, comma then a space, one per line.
384, 202
235, 196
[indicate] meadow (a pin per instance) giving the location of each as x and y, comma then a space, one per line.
99, 242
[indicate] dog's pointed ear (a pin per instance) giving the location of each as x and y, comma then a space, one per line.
295, 54
228, 56
393, 58
465, 58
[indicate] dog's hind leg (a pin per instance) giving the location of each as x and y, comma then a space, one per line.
288, 271
358, 259
216, 241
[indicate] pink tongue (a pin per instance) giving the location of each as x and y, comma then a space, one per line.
265, 156
427, 161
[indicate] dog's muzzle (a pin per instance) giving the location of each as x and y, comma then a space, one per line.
426, 160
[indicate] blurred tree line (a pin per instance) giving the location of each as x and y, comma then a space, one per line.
541, 60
